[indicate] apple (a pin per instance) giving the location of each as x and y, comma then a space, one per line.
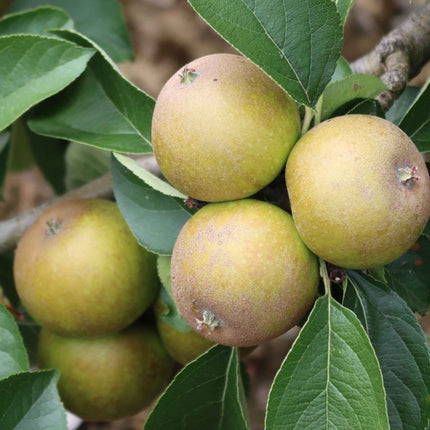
222, 129
241, 275
359, 191
108, 377
79, 271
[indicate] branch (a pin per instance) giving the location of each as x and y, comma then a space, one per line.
12, 229
400, 55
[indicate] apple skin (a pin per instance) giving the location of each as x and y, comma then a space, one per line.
226, 134
108, 377
183, 346
244, 263
348, 200
86, 276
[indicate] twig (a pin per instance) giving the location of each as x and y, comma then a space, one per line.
400, 55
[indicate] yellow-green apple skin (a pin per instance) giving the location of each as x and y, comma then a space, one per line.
241, 274
183, 346
79, 271
222, 129
359, 191
108, 377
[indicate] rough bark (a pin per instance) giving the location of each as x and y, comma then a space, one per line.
400, 55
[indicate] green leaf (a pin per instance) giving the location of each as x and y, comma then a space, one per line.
343, 69
30, 401
101, 20
153, 181
416, 121
13, 357
4, 156
102, 108
36, 21
84, 163
34, 68
360, 106
402, 105
356, 86
400, 346
207, 394
21, 156
173, 316
163, 269
343, 6
296, 43
154, 218
331, 378
409, 275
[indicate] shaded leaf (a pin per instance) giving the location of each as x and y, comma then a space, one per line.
172, 316
102, 108
163, 269
416, 121
23, 85
30, 401
360, 106
36, 21
101, 20
400, 106
4, 156
154, 218
296, 43
13, 357
356, 86
409, 275
84, 163
331, 378
208, 393
400, 346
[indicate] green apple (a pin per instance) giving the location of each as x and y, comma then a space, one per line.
108, 377
222, 129
241, 274
359, 191
79, 271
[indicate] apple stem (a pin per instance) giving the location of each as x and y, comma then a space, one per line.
408, 175
53, 227
188, 76
209, 321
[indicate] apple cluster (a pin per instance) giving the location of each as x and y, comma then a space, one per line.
81, 275
244, 271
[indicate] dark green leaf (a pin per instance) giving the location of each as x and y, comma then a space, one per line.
4, 156
343, 6
331, 378
46, 66
154, 218
13, 357
400, 346
402, 105
49, 155
85, 163
356, 86
36, 21
360, 106
30, 401
7, 282
21, 156
207, 394
101, 20
342, 70
416, 122
409, 276
102, 108
296, 43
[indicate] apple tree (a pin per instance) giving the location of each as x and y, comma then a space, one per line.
361, 360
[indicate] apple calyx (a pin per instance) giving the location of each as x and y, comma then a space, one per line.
210, 321
408, 175
53, 226
188, 76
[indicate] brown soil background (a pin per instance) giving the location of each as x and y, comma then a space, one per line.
166, 34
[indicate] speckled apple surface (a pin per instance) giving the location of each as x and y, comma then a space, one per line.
359, 191
109, 377
79, 271
244, 262
226, 134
